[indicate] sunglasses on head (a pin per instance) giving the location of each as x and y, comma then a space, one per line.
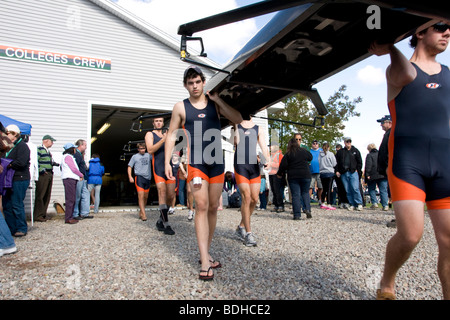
441, 27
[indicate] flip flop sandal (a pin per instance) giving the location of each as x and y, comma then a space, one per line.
207, 277
219, 265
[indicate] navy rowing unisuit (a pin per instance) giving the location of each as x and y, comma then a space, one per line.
203, 130
419, 144
246, 166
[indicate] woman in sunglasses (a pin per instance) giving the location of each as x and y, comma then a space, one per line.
419, 151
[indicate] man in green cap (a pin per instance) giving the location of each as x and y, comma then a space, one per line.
45, 181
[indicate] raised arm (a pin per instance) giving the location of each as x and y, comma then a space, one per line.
399, 73
225, 109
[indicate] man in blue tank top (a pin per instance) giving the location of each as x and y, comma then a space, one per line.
248, 173
419, 150
154, 141
199, 117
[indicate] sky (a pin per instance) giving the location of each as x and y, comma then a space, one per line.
365, 79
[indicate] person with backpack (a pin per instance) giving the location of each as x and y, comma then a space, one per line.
95, 173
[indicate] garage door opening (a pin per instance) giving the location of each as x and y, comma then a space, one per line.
115, 151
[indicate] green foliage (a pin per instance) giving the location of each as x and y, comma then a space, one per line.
299, 109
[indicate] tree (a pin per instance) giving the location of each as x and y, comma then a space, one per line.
299, 109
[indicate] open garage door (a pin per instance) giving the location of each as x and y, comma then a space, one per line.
113, 147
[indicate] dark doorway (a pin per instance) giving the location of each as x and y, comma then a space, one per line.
115, 150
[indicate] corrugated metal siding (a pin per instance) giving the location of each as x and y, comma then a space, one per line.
56, 100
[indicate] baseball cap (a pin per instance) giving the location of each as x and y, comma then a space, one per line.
347, 139
68, 146
48, 137
383, 119
195, 68
13, 128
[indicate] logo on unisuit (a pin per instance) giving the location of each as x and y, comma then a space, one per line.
207, 144
432, 85
202, 115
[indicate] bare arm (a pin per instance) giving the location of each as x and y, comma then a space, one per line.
152, 148
399, 73
130, 176
182, 170
225, 109
176, 122
235, 135
263, 146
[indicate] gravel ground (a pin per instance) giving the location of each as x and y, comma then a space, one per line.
336, 255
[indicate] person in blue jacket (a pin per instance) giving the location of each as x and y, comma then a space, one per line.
96, 171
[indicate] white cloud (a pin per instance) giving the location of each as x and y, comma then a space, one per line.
371, 75
220, 43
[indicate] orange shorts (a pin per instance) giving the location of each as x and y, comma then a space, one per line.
210, 173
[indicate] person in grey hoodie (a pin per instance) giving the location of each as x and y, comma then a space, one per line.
327, 162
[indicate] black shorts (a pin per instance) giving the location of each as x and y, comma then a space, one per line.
419, 169
142, 184
247, 173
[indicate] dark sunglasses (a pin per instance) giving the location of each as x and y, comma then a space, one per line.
441, 27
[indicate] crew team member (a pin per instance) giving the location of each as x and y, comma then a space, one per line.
248, 174
154, 141
198, 115
419, 151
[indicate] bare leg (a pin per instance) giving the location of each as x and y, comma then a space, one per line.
319, 195
142, 200
409, 215
250, 195
441, 224
190, 197
206, 202
162, 194
170, 194
162, 201
215, 190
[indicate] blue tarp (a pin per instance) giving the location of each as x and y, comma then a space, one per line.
25, 128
